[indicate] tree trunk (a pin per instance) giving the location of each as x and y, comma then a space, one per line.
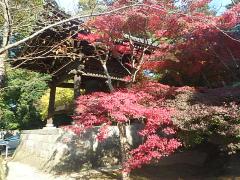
104, 65
5, 39
109, 81
2, 70
125, 149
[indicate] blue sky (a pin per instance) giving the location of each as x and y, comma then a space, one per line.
68, 5
71, 5
219, 5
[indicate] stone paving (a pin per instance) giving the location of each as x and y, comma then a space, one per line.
19, 171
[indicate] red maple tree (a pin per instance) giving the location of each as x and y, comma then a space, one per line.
121, 107
160, 27
148, 32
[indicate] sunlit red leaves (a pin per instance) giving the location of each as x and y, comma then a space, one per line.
155, 147
91, 37
230, 18
195, 5
122, 106
123, 48
156, 117
136, 24
173, 29
103, 132
155, 65
110, 26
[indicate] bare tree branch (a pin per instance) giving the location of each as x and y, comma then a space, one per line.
4, 48
5, 38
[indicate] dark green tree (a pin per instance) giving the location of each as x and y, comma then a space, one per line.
19, 98
20, 89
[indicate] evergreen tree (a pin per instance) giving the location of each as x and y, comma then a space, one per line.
19, 98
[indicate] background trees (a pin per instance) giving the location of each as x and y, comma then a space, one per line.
6, 33
17, 18
19, 89
18, 100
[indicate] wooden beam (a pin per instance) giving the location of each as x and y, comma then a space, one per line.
64, 72
66, 85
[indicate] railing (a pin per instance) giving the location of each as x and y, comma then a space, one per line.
10, 143
6, 148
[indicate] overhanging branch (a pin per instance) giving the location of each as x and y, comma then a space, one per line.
3, 49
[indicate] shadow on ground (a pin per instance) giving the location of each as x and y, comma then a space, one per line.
219, 169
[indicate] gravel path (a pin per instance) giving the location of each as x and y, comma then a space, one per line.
19, 171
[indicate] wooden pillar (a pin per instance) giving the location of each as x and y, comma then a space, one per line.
77, 88
77, 85
51, 106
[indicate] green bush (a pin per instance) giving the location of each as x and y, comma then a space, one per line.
19, 98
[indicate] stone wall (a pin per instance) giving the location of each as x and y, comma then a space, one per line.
57, 150
2, 169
